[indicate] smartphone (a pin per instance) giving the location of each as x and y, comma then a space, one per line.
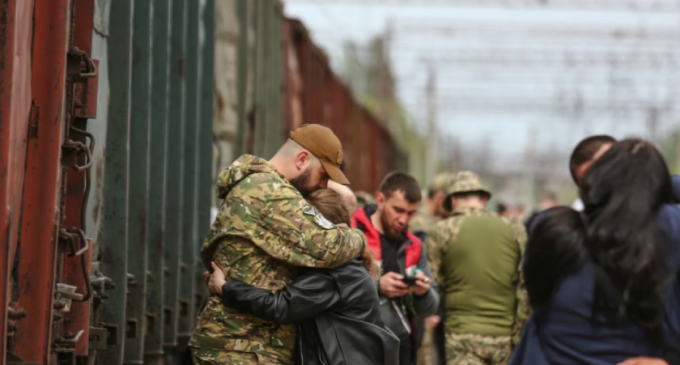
410, 280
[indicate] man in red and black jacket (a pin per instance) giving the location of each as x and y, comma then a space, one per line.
406, 290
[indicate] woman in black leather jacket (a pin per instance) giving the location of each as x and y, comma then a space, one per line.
336, 310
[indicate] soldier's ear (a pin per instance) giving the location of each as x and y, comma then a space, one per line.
301, 159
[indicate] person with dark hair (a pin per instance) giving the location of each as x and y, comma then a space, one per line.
336, 310
502, 209
584, 155
587, 152
475, 257
604, 284
404, 288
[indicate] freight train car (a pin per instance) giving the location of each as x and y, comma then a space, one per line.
110, 116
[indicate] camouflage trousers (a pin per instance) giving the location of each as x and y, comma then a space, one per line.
427, 353
216, 357
469, 349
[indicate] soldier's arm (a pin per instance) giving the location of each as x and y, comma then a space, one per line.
523, 308
309, 295
302, 237
434, 245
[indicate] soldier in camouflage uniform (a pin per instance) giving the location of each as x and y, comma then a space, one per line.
476, 260
430, 212
263, 230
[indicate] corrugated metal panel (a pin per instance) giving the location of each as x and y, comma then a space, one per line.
40, 216
135, 310
15, 105
153, 342
205, 137
152, 175
77, 270
173, 217
243, 11
189, 174
113, 236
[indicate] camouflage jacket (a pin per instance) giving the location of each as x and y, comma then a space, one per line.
263, 229
422, 224
445, 235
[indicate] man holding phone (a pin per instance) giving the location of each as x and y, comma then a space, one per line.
405, 288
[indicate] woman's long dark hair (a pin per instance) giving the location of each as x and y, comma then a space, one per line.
556, 247
623, 192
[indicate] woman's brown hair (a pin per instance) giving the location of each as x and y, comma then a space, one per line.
332, 206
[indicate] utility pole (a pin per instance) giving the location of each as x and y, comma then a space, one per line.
431, 119
530, 164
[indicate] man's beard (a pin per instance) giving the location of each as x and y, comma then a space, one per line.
300, 183
389, 232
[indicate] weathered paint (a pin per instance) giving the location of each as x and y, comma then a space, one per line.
177, 118
74, 274
16, 31
153, 342
242, 110
188, 244
173, 212
40, 215
205, 146
113, 237
139, 180
370, 151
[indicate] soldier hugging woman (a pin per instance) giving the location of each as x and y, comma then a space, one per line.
336, 311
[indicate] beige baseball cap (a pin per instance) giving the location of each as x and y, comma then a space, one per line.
322, 143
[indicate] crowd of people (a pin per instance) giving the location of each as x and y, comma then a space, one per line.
302, 270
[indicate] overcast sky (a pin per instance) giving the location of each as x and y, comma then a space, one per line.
503, 73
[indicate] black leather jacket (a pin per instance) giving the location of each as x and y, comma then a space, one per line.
336, 311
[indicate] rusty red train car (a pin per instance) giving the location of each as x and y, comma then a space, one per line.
110, 111
321, 97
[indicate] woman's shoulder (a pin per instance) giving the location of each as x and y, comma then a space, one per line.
669, 217
350, 272
669, 222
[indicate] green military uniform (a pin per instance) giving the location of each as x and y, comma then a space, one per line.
264, 228
476, 257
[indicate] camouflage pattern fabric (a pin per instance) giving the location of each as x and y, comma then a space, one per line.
426, 352
465, 182
446, 233
469, 349
216, 357
442, 182
264, 228
423, 221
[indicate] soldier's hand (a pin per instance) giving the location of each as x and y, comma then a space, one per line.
423, 284
391, 285
217, 280
206, 277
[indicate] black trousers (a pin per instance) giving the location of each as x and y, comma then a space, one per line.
406, 353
